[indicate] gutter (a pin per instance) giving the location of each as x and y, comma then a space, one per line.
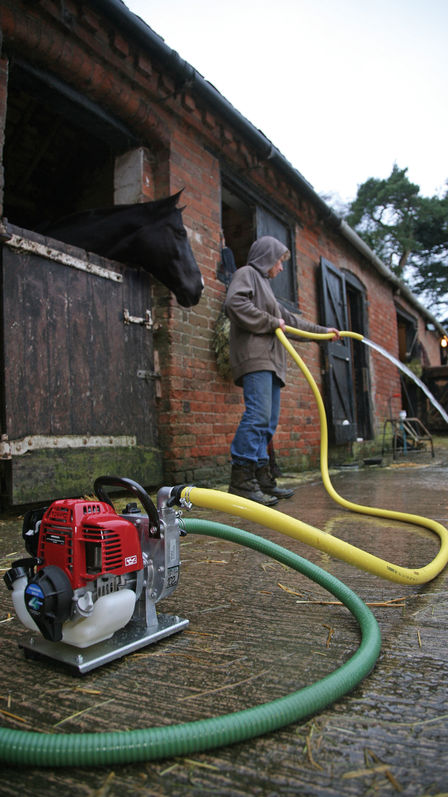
186, 76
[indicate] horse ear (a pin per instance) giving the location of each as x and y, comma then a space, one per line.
175, 197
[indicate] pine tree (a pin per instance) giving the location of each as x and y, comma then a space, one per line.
408, 231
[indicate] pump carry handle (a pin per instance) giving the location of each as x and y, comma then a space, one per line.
134, 487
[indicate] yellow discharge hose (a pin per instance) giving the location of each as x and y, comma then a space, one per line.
273, 519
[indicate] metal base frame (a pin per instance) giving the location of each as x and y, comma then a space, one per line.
127, 640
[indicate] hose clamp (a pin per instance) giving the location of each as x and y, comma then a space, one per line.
185, 499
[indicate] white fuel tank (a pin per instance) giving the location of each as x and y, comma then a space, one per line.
110, 613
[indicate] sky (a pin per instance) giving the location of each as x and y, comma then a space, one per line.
343, 88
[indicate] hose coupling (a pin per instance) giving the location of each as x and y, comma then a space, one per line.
177, 498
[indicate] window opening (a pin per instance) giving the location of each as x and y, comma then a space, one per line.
243, 220
238, 224
58, 156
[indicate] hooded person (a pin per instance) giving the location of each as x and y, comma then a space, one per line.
258, 364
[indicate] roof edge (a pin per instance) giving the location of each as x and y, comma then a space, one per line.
187, 74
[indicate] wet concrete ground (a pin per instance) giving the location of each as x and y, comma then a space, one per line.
259, 631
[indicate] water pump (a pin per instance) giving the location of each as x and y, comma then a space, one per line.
92, 580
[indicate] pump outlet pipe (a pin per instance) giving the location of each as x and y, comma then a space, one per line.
124, 747
297, 529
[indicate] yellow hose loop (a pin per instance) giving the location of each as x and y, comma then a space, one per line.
402, 574
319, 335
273, 519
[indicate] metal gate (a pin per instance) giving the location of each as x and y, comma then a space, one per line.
78, 390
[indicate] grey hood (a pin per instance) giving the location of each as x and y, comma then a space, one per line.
264, 253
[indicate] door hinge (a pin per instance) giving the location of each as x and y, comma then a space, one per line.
147, 375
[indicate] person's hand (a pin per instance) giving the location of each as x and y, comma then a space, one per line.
336, 333
282, 324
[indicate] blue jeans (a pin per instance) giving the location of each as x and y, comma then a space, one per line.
260, 418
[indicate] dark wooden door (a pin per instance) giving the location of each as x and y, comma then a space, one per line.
284, 285
78, 393
338, 356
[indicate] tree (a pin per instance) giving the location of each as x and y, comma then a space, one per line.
407, 231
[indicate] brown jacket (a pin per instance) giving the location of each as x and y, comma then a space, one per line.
254, 313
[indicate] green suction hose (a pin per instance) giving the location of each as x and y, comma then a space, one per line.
123, 747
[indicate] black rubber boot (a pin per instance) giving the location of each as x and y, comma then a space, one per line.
269, 485
244, 483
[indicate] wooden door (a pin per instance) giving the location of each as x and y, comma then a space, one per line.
78, 388
338, 356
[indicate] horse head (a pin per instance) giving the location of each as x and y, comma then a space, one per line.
149, 235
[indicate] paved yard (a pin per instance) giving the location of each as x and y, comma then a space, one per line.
259, 631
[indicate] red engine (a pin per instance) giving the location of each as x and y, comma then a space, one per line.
91, 572
87, 539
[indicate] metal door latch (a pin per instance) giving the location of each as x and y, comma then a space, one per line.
146, 321
147, 375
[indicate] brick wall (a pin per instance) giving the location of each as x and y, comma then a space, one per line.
185, 145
